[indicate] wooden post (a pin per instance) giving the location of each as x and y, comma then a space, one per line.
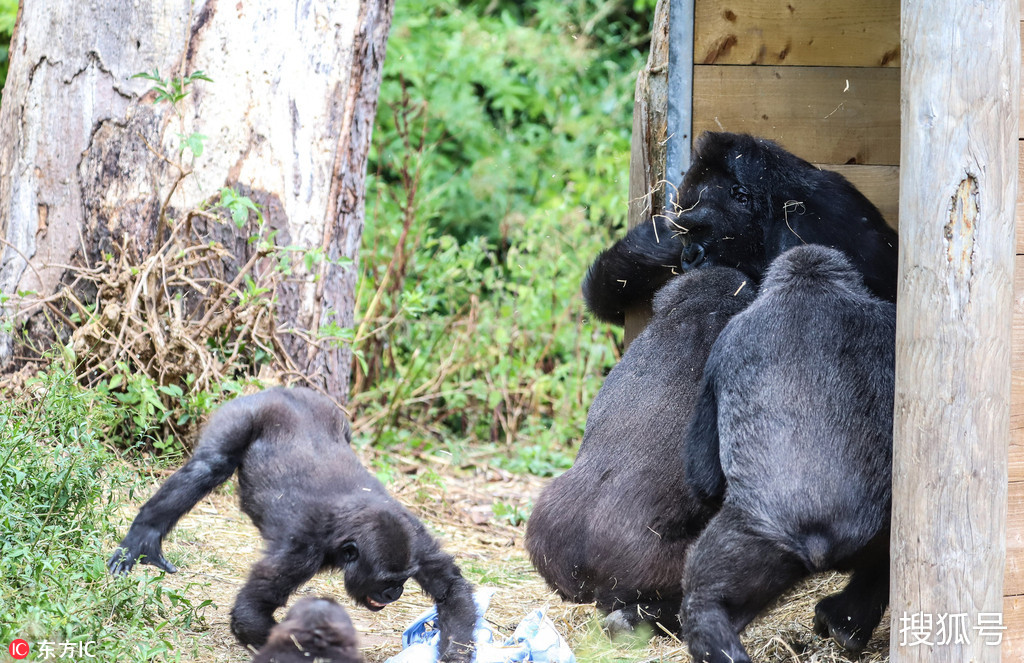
958, 183
647, 152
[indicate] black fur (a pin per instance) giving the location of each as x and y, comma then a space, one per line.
316, 507
793, 433
615, 528
315, 629
743, 202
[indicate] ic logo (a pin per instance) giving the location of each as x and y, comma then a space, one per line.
18, 649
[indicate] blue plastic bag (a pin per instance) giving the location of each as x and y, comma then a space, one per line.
535, 639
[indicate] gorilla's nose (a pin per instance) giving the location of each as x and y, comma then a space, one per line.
392, 593
692, 257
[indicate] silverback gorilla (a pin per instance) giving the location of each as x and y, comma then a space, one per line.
316, 507
615, 528
315, 629
792, 435
743, 202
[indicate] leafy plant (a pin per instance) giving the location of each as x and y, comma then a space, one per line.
512, 514
56, 526
494, 181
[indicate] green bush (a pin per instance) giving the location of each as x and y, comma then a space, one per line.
495, 180
57, 515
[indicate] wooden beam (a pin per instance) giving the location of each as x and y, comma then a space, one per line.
958, 183
824, 114
835, 33
647, 151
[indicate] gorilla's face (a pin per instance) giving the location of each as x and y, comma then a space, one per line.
720, 220
378, 561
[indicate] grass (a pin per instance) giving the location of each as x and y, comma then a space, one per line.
60, 495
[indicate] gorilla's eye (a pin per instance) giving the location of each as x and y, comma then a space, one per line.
349, 552
740, 194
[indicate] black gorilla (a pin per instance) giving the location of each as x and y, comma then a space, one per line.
315, 629
315, 505
743, 202
792, 434
615, 528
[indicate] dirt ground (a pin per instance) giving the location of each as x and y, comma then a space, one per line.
215, 545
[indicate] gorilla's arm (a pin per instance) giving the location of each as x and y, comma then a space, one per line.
271, 581
219, 452
631, 270
441, 579
703, 464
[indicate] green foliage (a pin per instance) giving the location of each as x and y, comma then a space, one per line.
8, 14
57, 521
512, 514
238, 206
522, 111
495, 180
174, 89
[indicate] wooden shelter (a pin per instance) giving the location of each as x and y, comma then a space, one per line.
863, 88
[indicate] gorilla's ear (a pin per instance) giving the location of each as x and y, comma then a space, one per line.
349, 552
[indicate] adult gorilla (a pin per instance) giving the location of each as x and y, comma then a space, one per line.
615, 528
792, 435
743, 202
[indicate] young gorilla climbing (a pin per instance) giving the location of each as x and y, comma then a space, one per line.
743, 202
792, 434
315, 629
316, 507
615, 528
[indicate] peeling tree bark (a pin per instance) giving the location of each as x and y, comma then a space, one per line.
287, 119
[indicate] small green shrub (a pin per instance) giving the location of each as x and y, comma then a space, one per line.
57, 516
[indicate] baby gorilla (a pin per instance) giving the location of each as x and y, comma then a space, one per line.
615, 528
316, 507
314, 630
792, 434
743, 202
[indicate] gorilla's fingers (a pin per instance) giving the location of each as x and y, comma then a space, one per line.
160, 562
121, 562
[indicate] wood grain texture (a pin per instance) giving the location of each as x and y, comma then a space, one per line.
835, 33
958, 185
838, 115
1013, 619
1013, 579
881, 185
1020, 198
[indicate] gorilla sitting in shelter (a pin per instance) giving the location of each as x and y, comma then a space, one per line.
743, 202
615, 528
315, 505
315, 629
792, 434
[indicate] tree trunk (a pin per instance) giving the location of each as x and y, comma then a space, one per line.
86, 156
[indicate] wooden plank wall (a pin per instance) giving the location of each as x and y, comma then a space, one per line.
822, 78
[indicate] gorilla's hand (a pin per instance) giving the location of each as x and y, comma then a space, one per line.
141, 545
